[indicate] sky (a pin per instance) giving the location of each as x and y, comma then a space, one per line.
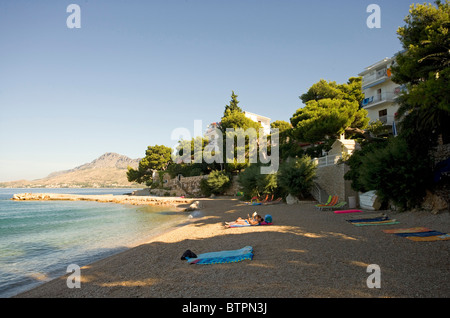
134, 71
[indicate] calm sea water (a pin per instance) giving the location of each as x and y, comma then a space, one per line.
39, 239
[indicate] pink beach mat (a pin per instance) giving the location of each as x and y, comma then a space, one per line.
348, 211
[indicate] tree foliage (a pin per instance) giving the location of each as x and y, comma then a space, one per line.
397, 174
424, 67
233, 107
235, 119
330, 110
216, 183
253, 183
296, 176
156, 158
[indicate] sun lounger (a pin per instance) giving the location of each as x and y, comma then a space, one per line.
273, 202
334, 204
326, 203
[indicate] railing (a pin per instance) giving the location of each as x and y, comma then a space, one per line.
375, 75
318, 193
387, 120
383, 97
327, 161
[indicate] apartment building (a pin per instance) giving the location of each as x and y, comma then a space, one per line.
380, 92
264, 121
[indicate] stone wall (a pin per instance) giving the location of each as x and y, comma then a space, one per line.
189, 186
331, 179
235, 187
440, 153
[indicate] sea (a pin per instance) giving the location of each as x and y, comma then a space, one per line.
40, 239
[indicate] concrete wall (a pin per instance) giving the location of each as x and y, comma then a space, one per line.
331, 179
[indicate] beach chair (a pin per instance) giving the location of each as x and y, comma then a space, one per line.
335, 206
265, 199
326, 203
273, 201
334, 200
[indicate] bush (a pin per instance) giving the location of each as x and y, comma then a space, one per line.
253, 183
355, 163
396, 174
297, 176
216, 183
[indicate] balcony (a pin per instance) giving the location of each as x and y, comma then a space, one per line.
375, 78
387, 120
378, 99
327, 160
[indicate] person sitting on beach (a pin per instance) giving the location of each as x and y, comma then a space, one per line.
256, 219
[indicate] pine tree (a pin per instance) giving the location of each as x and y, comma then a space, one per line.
233, 107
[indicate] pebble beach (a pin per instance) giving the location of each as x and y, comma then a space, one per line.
306, 253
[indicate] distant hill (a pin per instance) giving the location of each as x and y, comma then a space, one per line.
107, 171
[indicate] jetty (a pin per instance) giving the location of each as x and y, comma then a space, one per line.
105, 198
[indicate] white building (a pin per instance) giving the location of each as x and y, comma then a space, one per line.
380, 91
264, 121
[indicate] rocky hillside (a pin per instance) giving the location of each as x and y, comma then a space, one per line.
109, 170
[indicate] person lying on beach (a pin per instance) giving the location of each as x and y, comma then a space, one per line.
254, 220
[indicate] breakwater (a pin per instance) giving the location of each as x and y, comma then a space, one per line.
105, 198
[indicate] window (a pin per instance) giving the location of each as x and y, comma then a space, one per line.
382, 113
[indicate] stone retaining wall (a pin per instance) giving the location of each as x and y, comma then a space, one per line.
331, 179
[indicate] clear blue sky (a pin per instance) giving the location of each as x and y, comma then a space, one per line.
136, 70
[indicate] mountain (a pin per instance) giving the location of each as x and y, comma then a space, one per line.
108, 170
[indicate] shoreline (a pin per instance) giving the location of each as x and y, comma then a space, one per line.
104, 198
306, 253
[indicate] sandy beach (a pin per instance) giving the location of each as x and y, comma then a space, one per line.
306, 253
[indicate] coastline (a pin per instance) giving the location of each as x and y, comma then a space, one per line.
305, 253
104, 198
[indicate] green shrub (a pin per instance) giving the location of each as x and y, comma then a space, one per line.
253, 183
297, 176
216, 183
356, 160
396, 174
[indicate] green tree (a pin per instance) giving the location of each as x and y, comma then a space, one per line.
330, 110
424, 68
356, 160
396, 174
253, 183
156, 158
235, 119
296, 176
216, 183
233, 107
350, 91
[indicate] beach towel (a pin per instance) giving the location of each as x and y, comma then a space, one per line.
408, 230
387, 222
374, 219
248, 224
222, 257
380, 220
420, 234
433, 238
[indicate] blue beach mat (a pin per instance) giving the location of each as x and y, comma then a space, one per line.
222, 257
381, 220
420, 234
